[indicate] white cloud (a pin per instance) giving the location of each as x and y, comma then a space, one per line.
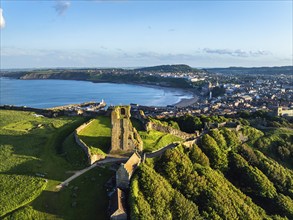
12, 57
237, 53
2, 21
61, 6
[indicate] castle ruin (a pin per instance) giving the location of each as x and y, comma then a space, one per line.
124, 136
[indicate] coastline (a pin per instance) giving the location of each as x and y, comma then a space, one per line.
187, 102
185, 96
182, 103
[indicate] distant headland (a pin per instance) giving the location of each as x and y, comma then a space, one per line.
176, 76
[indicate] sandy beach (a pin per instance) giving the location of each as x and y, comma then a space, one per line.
187, 102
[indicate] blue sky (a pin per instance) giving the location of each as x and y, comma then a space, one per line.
127, 33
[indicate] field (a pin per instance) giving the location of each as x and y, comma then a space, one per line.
97, 135
34, 159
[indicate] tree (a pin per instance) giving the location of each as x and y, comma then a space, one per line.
217, 157
197, 156
219, 138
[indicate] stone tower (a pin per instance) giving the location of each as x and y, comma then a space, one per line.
124, 135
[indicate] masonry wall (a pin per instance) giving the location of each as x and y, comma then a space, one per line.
122, 177
91, 158
167, 129
124, 136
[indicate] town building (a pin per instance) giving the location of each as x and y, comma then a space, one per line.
118, 205
126, 170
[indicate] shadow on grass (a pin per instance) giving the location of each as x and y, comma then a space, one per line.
38, 152
74, 154
101, 142
137, 124
84, 198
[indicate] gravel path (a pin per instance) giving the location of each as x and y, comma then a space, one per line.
80, 172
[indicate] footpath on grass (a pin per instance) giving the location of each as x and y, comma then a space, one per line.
113, 159
100, 162
110, 159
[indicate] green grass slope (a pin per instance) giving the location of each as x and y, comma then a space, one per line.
36, 154
97, 135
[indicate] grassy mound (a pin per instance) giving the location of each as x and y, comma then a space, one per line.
29, 154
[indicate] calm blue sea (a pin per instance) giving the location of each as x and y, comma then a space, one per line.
51, 93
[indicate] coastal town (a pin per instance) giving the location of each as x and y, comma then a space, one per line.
213, 94
221, 93
134, 110
225, 94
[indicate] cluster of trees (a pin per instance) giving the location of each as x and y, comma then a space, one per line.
278, 143
190, 124
152, 197
220, 177
265, 118
181, 68
217, 144
206, 192
263, 187
281, 176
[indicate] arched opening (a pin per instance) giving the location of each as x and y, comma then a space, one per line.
122, 111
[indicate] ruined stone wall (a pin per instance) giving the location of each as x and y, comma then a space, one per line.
189, 144
149, 125
139, 115
122, 177
84, 125
91, 158
83, 146
167, 129
124, 135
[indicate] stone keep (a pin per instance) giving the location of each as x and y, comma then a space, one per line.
124, 135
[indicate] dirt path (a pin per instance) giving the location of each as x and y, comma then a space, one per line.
80, 172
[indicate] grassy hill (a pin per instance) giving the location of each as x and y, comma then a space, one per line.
179, 68
34, 160
38, 153
228, 174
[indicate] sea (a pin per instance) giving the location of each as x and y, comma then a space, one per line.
51, 93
